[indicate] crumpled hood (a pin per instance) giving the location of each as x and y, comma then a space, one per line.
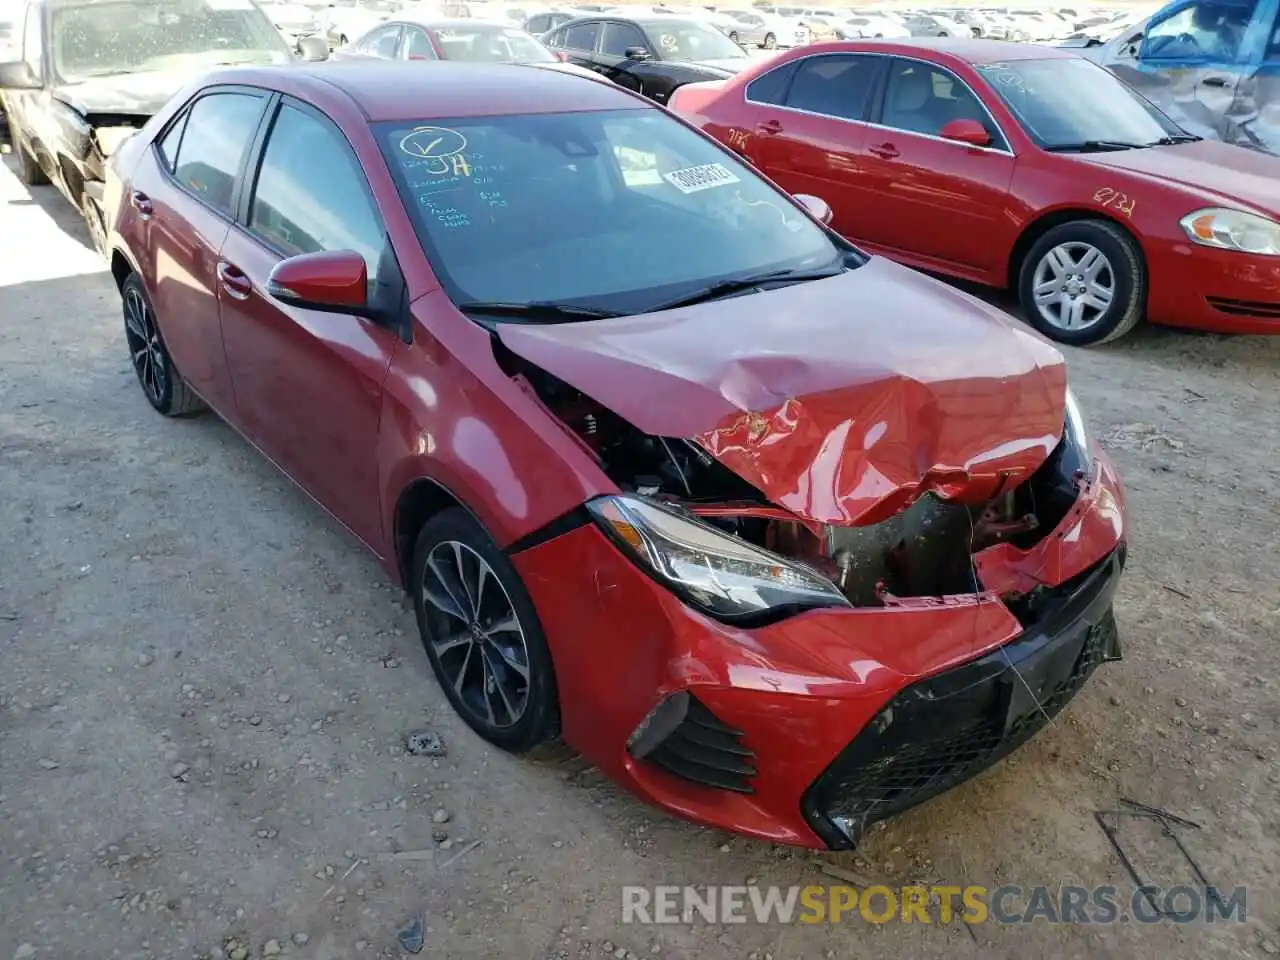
840, 399
140, 94
1216, 170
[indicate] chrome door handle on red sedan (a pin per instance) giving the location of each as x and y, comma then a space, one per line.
141, 203
885, 151
234, 280
769, 127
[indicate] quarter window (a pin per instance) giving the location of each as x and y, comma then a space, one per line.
772, 86
221, 125
836, 85
311, 195
168, 145
583, 36
418, 45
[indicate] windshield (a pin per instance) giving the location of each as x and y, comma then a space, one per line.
616, 210
691, 40
100, 39
491, 44
1072, 101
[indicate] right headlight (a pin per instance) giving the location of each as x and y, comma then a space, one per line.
718, 573
1232, 230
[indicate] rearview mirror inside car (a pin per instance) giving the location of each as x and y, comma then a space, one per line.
967, 131
636, 53
335, 281
818, 208
18, 75
313, 49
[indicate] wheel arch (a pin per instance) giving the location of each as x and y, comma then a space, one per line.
1054, 218
420, 500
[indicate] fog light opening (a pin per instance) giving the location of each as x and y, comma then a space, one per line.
658, 724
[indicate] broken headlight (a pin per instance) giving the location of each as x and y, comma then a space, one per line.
707, 568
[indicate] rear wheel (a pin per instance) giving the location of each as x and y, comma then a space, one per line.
1083, 282
482, 634
29, 170
160, 380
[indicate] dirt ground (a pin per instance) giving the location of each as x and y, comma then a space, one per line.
204, 686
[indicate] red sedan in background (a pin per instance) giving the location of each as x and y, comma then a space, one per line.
1015, 166
784, 538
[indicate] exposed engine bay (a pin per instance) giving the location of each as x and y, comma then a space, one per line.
926, 550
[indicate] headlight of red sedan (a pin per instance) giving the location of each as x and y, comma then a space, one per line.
1233, 230
720, 574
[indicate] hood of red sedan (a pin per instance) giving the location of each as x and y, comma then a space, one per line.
1209, 167
841, 400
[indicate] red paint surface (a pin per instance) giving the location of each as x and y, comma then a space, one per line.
953, 208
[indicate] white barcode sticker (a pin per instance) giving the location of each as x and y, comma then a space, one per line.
704, 177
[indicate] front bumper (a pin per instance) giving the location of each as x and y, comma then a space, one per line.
779, 715
1217, 290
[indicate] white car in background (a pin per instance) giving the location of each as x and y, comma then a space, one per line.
934, 25
764, 30
293, 20
862, 26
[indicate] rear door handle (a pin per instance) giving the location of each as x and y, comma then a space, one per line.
141, 203
234, 280
885, 151
769, 127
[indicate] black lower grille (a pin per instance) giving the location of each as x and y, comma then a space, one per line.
944, 729
1245, 308
706, 751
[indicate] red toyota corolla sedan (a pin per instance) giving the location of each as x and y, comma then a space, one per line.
1015, 166
783, 537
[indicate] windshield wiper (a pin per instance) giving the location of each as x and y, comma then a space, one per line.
724, 288
538, 311
1175, 138
1093, 146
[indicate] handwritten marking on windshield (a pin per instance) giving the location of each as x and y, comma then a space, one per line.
1113, 198
440, 147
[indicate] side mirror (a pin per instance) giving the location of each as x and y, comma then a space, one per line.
818, 208
966, 131
18, 75
333, 281
313, 49
636, 53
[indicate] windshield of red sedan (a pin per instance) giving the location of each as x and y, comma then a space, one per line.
1068, 101
490, 44
618, 210
103, 39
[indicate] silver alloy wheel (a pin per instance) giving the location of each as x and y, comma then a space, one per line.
1073, 286
475, 633
144, 346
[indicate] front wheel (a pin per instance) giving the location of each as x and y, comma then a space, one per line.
1083, 282
96, 224
29, 170
482, 634
770, 41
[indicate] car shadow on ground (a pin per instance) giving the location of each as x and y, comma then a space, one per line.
48, 199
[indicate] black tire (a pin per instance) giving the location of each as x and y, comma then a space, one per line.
95, 224
161, 382
29, 170
1128, 274
770, 41
539, 720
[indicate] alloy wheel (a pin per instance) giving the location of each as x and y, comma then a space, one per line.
1074, 286
475, 634
144, 347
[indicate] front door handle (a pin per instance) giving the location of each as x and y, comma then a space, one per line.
769, 127
234, 280
1214, 81
885, 151
141, 203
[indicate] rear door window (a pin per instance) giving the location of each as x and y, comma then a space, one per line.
838, 85
583, 36
220, 127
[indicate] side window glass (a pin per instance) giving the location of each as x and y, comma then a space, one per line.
619, 37
168, 144
538, 24
311, 195
381, 43
583, 36
32, 41
1202, 31
418, 45
924, 99
772, 86
837, 85
220, 127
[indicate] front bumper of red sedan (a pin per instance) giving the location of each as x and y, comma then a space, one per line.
1217, 290
808, 730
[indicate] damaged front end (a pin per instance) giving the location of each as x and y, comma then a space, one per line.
720, 544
